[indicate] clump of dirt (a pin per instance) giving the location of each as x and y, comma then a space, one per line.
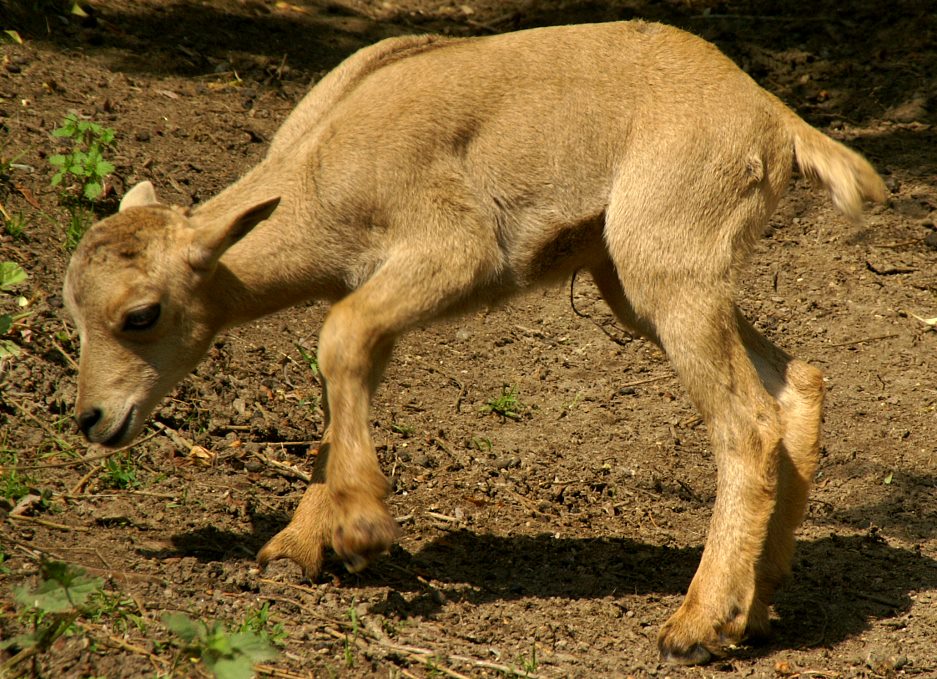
551, 544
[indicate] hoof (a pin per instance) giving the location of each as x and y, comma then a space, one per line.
364, 537
286, 544
689, 639
695, 655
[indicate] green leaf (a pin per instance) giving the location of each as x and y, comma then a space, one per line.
8, 349
183, 626
63, 588
50, 597
6, 322
232, 668
68, 127
19, 641
253, 646
104, 168
92, 190
58, 160
11, 274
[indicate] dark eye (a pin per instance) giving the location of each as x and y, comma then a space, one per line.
143, 318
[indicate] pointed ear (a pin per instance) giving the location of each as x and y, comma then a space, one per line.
210, 241
140, 195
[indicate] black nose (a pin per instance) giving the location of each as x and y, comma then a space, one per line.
87, 420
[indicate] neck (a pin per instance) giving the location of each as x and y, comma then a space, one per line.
284, 260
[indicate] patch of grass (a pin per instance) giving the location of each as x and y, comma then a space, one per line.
349, 648
227, 655
507, 405
258, 622
529, 664
13, 486
405, 430
14, 226
120, 472
79, 221
121, 611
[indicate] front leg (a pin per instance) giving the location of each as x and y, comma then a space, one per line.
344, 504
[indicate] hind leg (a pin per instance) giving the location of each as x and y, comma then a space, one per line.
701, 338
774, 445
694, 320
798, 389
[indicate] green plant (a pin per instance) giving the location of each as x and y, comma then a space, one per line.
311, 360
529, 665
349, 648
505, 405
81, 171
51, 609
481, 443
14, 225
405, 430
85, 161
122, 611
121, 472
258, 622
79, 220
11, 275
11, 36
227, 655
13, 486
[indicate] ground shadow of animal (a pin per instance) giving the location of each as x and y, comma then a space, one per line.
840, 586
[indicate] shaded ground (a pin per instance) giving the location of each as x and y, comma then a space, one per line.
556, 544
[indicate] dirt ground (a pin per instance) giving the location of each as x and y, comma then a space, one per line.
555, 544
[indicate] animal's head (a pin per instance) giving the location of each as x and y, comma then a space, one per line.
139, 287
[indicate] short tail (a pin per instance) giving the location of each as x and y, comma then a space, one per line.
846, 175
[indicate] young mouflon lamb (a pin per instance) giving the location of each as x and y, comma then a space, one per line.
426, 175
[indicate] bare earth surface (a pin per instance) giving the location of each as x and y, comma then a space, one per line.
555, 544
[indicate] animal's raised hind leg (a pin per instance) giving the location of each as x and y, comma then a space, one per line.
798, 389
698, 331
607, 281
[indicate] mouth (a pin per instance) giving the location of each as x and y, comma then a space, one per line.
118, 436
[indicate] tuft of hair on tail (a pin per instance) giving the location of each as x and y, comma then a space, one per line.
848, 177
